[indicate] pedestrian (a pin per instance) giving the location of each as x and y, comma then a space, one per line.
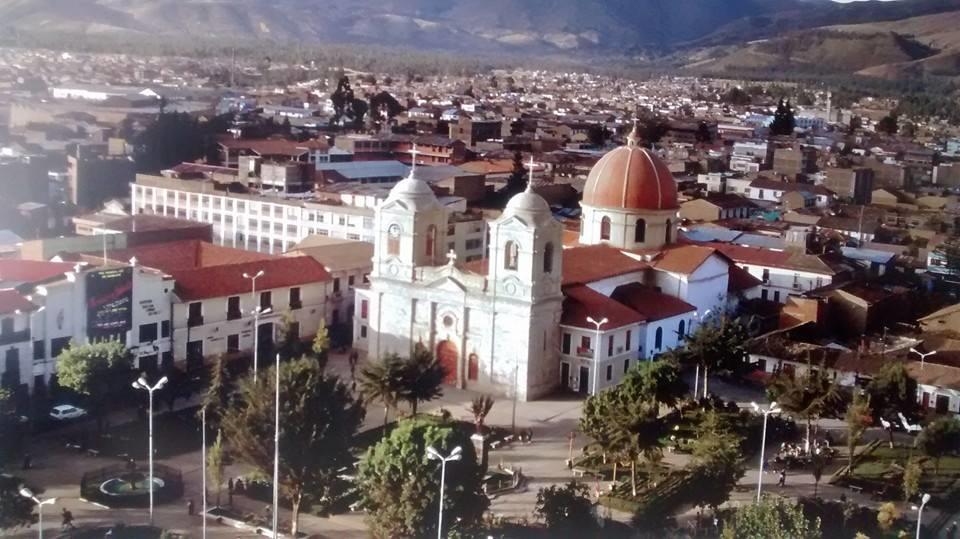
783, 477
230, 488
27, 461
190, 510
238, 486
67, 517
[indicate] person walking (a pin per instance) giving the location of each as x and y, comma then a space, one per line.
190, 508
783, 477
230, 488
67, 519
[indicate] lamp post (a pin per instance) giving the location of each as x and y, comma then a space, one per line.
773, 409
27, 493
203, 468
141, 383
696, 375
276, 444
596, 354
433, 454
923, 503
256, 316
923, 356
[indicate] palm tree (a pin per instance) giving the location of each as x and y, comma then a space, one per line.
635, 432
480, 407
383, 381
806, 396
422, 378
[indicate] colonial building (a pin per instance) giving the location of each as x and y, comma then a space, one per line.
532, 316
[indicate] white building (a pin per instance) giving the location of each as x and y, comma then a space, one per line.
519, 317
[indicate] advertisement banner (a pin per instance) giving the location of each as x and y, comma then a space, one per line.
109, 303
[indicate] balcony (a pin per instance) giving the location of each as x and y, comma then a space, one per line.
231, 315
584, 352
11, 337
195, 321
294, 305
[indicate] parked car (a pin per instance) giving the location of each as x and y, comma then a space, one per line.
64, 412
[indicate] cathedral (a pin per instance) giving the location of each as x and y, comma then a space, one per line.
536, 315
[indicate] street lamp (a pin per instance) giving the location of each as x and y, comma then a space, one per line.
256, 315
203, 468
276, 443
923, 356
596, 354
141, 383
696, 376
773, 409
923, 503
433, 454
27, 493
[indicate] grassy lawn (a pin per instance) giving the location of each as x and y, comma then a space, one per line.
885, 465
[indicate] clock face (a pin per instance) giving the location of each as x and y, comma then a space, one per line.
394, 230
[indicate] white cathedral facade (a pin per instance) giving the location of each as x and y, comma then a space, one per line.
511, 320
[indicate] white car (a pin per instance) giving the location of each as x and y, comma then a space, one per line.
65, 411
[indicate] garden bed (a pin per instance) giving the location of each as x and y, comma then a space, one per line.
880, 470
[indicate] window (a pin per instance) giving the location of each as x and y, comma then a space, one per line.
195, 314
776, 296
640, 231
565, 344
609, 372
548, 258
760, 194
605, 228
431, 243
6, 326
668, 232
766, 275
681, 328
39, 350
626, 345
364, 307
58, 345
363, 332
350, 281
473, 244
295, 302
393, 240
148, 333
165, 329
658, 339
233, 308
626, 365
266, 300
585, 344
511, 254
763, 294
336, 285
610, 345
233, 343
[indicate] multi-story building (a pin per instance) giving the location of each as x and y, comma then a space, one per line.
95, 177
852, 183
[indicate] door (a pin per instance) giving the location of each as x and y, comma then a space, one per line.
943, 404
265, 339
583, 387
473, 367
565, 375
925, 400
448, 355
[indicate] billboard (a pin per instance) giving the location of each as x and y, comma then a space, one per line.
109, 303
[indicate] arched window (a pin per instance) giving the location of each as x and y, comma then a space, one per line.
605, 228
640, 232
658, 339
681, 328
393, 240
510, 255
668, 235
548, 258
431, 242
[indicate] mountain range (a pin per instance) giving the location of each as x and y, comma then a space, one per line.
877, 38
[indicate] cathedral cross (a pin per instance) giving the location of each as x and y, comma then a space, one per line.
451, 257
413, 159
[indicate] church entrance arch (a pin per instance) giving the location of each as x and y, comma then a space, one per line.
448, 356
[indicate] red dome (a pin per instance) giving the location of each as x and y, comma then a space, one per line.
631, 178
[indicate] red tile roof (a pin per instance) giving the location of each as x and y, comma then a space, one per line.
581, 301
684, 259
12, 301
32, 271
740, 279
290, 148
228, 280
187, 254
651, 304
591, 263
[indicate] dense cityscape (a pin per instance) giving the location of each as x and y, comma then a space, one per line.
246, 296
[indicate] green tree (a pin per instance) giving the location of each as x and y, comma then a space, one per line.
655, 381
289, 345
716, 461
517, 181
383, 381
216, 400
892, 391
10, 426
858, 420
15, 510
939, 438
566, 510
399, 485
635, 431
321, 345
216, 464
319, 417
912, 473
718, 346
595, 422
783, 119
888, 125
805, 396
422, 378
735, 96
100, 372
887, 516
772, 518
175, 138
